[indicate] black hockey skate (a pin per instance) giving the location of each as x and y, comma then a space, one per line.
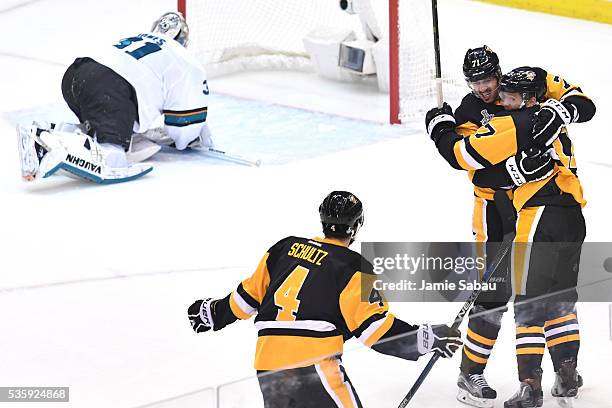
567, 382
475, 391
529, 394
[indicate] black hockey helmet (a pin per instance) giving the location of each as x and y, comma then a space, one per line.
481, 63
341, 214
528, 81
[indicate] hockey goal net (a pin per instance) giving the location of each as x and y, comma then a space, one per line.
230, 36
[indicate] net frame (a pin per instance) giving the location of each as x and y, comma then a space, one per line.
412, 89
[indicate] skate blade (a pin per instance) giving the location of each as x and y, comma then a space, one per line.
468, 399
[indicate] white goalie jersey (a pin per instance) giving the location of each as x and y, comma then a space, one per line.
171, 85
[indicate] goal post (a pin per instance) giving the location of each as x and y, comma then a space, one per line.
230, 36
182, 7
394, 96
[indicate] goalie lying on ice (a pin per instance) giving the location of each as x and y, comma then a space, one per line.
130, 97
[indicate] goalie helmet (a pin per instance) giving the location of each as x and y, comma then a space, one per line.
528, 81
173, 25
481, 63
341, 215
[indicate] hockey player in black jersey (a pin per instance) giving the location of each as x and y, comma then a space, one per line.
525, 147
307, 294
482, 72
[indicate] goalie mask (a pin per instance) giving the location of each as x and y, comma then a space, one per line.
341, 215
174, 26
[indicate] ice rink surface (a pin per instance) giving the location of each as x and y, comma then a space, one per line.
95, 281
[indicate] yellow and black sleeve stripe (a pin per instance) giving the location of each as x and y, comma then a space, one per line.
561, 90
366, 320
373, 326
247, 298
466, 129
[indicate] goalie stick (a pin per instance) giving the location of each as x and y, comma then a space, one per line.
220, 154
506, 211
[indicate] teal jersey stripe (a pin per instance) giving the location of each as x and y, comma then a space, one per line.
185, 120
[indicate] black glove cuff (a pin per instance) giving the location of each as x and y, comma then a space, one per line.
572, 109
222, 313
440, 130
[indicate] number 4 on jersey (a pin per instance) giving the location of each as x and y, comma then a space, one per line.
285, 296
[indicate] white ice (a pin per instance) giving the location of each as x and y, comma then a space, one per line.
96, 280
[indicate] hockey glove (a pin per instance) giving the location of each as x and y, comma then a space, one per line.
438, 120
549, 120
201, 315
530, 165
204, 139
441, 339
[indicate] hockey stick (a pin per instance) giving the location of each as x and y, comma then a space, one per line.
507, 212
436, 35
220, 154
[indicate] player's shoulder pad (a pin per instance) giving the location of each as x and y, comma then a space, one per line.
468, 101
353, 264
366, 267
522, 120
358, 263
276, 248
469, 109
347, 259
504, 113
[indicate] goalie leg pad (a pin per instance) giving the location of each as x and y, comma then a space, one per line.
39, 154
43, 152
30, 153
103, 175
102, 163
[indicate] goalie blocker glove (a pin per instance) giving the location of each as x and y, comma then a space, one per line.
439, 120
441, 339
530, 165
549, 120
